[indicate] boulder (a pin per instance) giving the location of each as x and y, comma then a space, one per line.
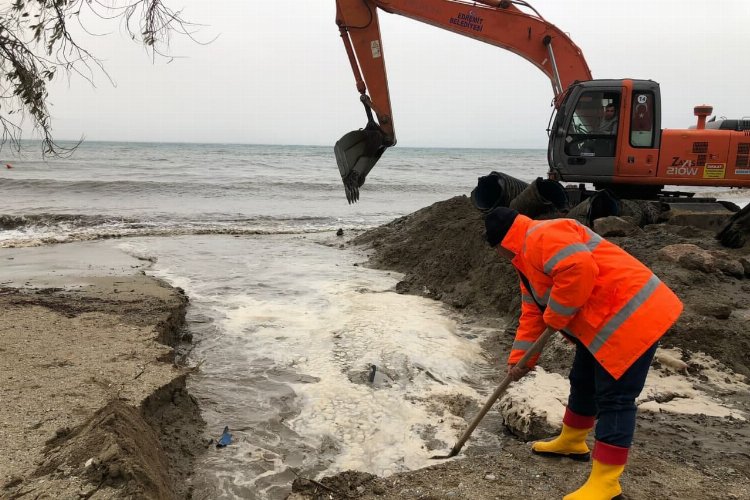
727, 264
615, 226
714, 310
693, 257
533, 407
689, 256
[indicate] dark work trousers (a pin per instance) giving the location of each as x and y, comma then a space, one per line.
594, 392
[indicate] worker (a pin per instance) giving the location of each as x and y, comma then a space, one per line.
608, 125
614, 310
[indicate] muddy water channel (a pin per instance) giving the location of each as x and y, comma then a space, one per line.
313, 362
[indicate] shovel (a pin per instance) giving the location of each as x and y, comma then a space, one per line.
536, 348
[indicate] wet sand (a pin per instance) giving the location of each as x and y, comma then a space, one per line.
693, 435
92, 404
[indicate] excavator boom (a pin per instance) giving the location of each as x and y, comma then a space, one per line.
500, 23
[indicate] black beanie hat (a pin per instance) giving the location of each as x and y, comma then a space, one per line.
497, 223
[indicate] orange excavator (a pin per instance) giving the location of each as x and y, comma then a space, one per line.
604, 132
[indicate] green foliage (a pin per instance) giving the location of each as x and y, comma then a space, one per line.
35, 44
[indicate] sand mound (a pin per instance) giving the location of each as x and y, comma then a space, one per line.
680, 451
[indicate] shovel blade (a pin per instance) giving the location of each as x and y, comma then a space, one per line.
356, 153
452, 454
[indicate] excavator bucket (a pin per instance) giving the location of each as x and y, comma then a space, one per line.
356, 153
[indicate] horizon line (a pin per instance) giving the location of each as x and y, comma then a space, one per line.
85, 141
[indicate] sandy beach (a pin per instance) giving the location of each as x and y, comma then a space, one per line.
93, 404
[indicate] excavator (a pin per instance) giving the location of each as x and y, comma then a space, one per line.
604, 132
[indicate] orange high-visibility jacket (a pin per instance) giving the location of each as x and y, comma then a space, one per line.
592, 289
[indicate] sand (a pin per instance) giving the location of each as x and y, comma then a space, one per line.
92, 404
693, 436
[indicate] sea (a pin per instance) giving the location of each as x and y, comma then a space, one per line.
310, 358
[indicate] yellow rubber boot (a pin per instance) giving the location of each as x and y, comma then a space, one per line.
571, 443
604, 481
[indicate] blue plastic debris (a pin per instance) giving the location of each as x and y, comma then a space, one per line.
225, 439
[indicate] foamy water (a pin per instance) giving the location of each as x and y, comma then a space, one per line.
288, 331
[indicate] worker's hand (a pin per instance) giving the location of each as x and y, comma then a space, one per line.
517, 372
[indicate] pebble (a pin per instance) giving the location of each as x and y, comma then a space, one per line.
490, 477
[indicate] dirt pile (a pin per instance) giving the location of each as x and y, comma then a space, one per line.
677, 454
114, 448
443, 255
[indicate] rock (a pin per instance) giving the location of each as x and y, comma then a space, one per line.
698, 262
672, 253
667, 359
718, 311
615, 226
745, 262
728, 265
533, 407
688, 256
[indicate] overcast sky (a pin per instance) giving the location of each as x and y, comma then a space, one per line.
278, 74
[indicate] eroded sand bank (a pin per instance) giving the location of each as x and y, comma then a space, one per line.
92, 404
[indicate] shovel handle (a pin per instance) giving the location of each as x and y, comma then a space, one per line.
536, 348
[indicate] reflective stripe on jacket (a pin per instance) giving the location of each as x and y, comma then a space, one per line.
592, 289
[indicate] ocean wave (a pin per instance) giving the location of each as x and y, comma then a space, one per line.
47, 229
199, 187
46, 220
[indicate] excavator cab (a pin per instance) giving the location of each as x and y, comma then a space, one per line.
604, 131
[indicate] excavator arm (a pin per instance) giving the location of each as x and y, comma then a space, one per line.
502, 23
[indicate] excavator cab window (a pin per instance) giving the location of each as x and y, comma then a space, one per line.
592, 130
642, 120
